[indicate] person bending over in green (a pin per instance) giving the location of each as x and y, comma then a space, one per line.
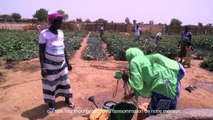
154, 76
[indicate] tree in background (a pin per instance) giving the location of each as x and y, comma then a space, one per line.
16, 16
101, 20
175, 23
127, 21
41, 14
200, 24
79, 20
66, 16
134, 22
6, 16
209, 24
87, 21
151, 22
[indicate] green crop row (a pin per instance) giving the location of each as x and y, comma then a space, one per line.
17, 45
203, 46
207, 64
94, 49
72, 41
118, 43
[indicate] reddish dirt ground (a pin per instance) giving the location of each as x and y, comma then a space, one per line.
21, 91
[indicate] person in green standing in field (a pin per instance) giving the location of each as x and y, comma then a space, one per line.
154, 76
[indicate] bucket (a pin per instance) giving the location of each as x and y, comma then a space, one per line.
118, 75
109, 105
123, 111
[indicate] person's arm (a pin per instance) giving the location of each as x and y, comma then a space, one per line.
67, 60
42, 47
135, 82
41, 54
42, 58
135, 78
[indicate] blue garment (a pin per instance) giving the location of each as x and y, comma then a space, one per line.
181, 72
186, 37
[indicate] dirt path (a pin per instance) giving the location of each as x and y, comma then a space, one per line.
21, 92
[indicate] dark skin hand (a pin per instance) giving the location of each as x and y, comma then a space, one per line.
131, 96
125, 76
128, 97
44, 73
67, 60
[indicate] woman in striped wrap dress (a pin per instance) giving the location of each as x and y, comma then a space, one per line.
54, 63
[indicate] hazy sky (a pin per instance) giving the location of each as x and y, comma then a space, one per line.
160, 11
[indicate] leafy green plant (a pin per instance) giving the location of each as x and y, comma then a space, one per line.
203, 46
118, 43
207, 64
17, 45
94, 49
73, 41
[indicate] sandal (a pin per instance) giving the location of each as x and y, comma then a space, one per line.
51, 110
70, 105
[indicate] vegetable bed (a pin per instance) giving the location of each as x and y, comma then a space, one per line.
94, 49
17, 45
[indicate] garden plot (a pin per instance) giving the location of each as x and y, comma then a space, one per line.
94, 50
17, 45
118, 43
87, 78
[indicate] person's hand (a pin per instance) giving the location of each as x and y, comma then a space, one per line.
128, 97
44, 73
125, 76
69, 67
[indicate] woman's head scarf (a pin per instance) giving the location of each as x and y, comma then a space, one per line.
54, 16
133, 52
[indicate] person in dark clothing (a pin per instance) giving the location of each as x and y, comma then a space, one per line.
185, 37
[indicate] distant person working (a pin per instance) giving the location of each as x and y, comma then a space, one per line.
101, 31
138, 32
158, 38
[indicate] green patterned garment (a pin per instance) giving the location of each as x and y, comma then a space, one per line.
152, 73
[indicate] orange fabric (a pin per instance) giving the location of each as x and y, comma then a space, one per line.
142, 115
99, 114
144, 106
